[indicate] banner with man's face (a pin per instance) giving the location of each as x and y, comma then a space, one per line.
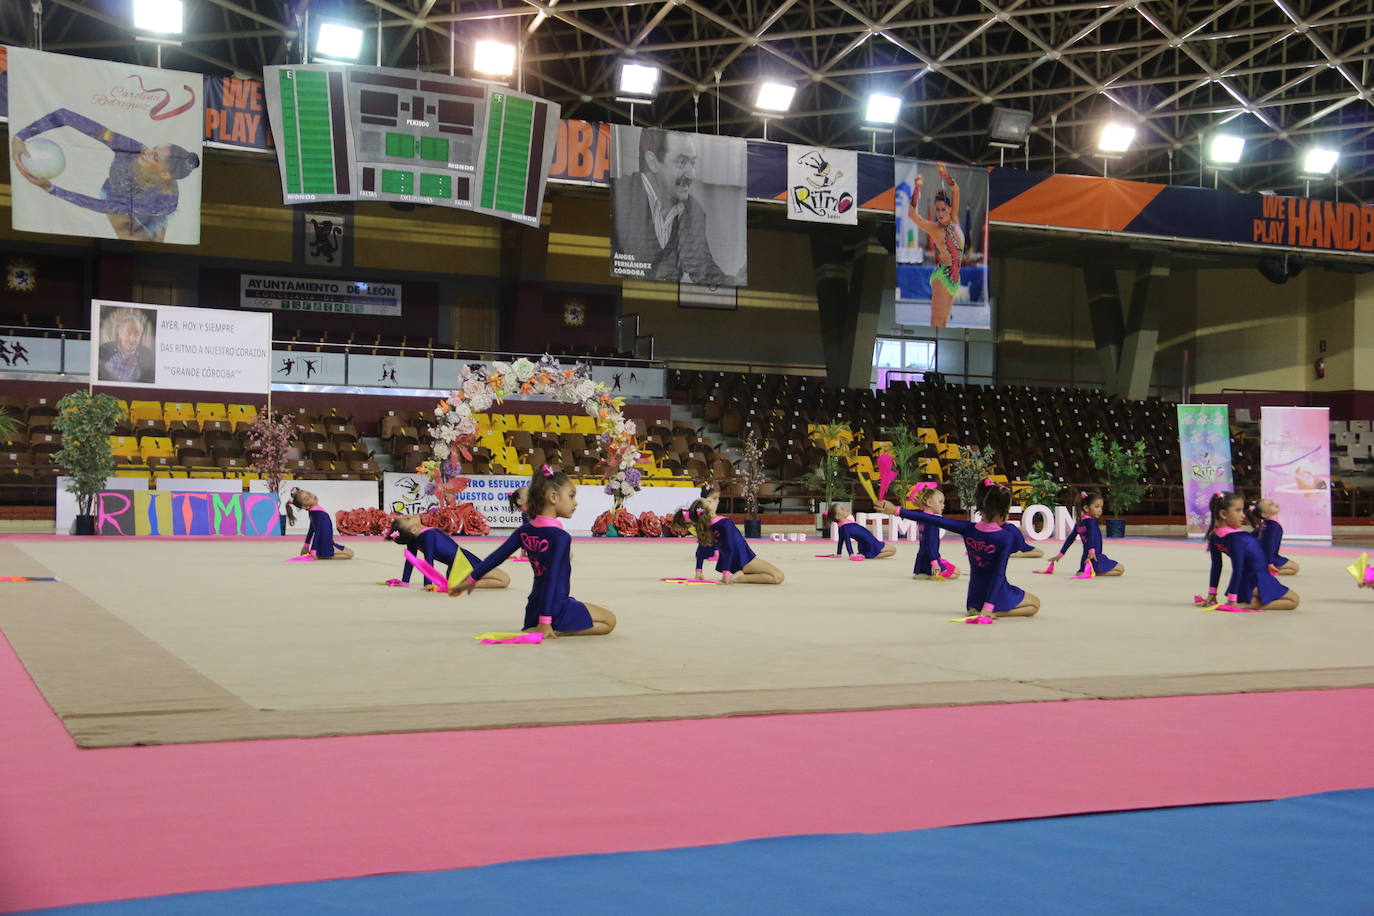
678, 207
105, 149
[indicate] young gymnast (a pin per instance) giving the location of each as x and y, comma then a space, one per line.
1270, 534
706, 545
870, 548
319, 540
1251, 584
736, 563
550, 610
990, 546
1088, 530
929, 563
436, 547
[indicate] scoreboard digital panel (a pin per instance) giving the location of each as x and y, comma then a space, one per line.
375, 133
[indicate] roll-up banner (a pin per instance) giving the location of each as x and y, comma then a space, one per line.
1204, 451
1295, 456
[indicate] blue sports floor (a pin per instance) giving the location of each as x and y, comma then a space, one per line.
1304, 855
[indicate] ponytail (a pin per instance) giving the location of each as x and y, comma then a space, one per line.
293, 502
830, 515
698, 514
993, 500
1086, 498
1215, 505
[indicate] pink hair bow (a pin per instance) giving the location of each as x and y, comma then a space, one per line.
548, 471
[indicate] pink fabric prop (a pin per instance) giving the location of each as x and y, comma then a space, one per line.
430, 573
396, 583
974, 618
886, 474
821, 556
1237, 609
688, 581
529, 638
1088, 571
303, 558
947, 569
858, 558
1047, 571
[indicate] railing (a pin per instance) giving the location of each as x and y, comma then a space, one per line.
61, 351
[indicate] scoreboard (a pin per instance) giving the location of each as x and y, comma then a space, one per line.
376, 133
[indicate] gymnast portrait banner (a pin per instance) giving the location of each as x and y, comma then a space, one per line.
1295, 461
105, 149
678, 207
1204, 451
941, 215
166, 346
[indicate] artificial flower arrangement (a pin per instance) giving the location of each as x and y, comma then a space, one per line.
455, 428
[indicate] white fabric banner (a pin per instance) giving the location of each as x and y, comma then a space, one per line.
822, 185
105, 149
167, 346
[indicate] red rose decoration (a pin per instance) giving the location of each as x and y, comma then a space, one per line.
650, 526
445, 518
473, 522
599, 526
369, 520
666, 523
626, 524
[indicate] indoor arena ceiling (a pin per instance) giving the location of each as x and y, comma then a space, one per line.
1285, 74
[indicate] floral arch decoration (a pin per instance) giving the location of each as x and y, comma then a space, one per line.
456, 428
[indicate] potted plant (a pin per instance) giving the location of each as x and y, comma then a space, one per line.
907, 450
271, 435
972, 467
1042, 489
1120, 469
9, 425
836, 438
86, 422
751, 478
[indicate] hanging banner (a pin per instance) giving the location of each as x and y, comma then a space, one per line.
306, 294
822, 185
236, 113
678, 207
105, 150
194, 349
1295, 456
941, 214
1204, 451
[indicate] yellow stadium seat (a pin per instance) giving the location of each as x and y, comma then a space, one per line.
155, 406
145, 413
124, 446
483, 420
169, 474
532, 422
927, 435
178, 410
949, 451
862, 465
930, 466
584, 425
208, 410
242, 413
143, 474
156, 447
503, 421
558, 423
206, 475
524, 470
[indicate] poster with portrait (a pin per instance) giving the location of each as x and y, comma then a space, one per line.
167, 346
105, 149
941, 214
1295, 468
678, 207
822, 185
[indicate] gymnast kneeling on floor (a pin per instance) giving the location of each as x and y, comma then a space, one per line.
319, 540
550, 609
436, 547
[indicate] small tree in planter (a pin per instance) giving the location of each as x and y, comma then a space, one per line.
972, 467
271, 435
1120, 469
1042, 487
751, 478
836, 439
906, 451
86, 422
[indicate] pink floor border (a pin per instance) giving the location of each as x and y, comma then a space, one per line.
84, 826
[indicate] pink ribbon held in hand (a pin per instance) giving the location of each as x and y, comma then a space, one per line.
1047, 571
433, 575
